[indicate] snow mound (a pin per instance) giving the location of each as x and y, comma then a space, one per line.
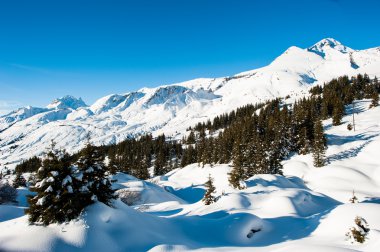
142, 192
121, 228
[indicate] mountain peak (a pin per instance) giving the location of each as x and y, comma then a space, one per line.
66, 102
327, 44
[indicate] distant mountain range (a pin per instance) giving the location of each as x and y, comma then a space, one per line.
170, 109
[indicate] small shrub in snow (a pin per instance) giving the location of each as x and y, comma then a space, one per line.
209, 197
129, 197
353, 199
349, 126
359, 232
7, 193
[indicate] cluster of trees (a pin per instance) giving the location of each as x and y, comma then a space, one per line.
255, 138
135, 156
262, 135
7, 193
64, 187
343, 91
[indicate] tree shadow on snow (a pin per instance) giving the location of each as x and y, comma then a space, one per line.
191, 194
271, 231
341, 140
375, 200
288, 228
353, 152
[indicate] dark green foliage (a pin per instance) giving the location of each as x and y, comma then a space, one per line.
63, 190
236, 176
7, 193
375, 98
52, 202
30, 165
95, 186
319, 144
338, 112
135, 156
19, 181
209, 198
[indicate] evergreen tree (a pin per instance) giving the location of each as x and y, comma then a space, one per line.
236, 176
142, 172
359, 232
319, 144
55, 199
96, 186
375, 99
338, 112
353, 199
210, 189
19, 181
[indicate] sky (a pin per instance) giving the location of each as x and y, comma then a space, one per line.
92, 48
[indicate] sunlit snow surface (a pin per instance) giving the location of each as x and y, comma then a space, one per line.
170, 109
308, 209
305, 210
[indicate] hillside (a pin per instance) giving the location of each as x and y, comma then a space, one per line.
170, 109
307, 209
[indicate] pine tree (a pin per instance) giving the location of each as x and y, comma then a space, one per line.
375, 99
359, 232
319, 144
353, 199
236, 176
55, 199
142, 172
210, 189
96, 186
338, 112
19, 181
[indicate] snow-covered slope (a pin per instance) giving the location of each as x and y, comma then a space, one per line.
170, 109
308, 209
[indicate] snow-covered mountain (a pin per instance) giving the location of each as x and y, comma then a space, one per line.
170, 109
307, 209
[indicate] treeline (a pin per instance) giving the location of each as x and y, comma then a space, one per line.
135, 156
258, 141
255, 138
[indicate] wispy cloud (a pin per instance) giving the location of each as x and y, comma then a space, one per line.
8, 106
30, 68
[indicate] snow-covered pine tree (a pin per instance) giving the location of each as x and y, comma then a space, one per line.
55, 198
209, 197
95, 185
359, 232
19, 180
319, 144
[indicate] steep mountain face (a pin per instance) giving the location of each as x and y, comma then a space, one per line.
67, 102
170, 109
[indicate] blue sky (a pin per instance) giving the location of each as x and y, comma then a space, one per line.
91, 48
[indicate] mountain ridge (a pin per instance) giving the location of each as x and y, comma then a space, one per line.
172, 108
